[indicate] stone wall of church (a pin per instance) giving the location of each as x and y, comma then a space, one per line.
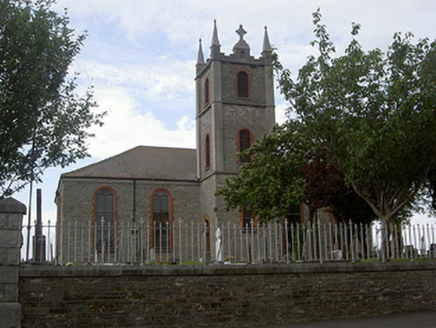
256, 76
81, 191
78, 205
235, 118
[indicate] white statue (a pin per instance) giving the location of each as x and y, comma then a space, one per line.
218, 246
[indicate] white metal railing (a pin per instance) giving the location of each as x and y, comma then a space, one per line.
195, 243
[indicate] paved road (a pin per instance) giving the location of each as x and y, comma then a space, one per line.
405, 320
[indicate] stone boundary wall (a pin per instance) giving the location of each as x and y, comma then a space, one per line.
215, 296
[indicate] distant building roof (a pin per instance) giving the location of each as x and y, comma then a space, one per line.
143, 162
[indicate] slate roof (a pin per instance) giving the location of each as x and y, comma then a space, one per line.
143, 162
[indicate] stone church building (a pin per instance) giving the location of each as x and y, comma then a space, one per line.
234, 107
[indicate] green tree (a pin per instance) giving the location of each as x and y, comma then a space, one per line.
285, 172
274, 180
372, 116
43, 122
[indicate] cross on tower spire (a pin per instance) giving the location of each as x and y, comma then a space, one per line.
241, 32
241, 49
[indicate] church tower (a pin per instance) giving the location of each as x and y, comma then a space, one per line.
234, 107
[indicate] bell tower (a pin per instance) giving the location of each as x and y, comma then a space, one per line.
234, 107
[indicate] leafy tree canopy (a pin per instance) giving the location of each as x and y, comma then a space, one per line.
274, 179
43, 122
372, 116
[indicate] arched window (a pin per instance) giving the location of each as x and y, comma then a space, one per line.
246, 218
104, 218
207, 152
161, 220
244, 143
206, 91
242, 85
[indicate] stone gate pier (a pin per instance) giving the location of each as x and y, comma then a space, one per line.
11, 220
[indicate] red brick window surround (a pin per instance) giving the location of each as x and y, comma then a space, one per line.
207, 152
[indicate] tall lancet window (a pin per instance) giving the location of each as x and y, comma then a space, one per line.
104, 218
242, 85
206, 92
244, 143
161, 205
207, 152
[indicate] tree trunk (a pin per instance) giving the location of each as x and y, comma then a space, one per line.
385, 237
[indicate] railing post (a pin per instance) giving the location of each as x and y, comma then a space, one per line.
276, 255
294, 244
326, 241
180, 241
247, 247
320, 241
169, 243
229, 241
50, 255
351, 240
95, 241
299, 227
141, 240
368, 241
103, 244
396, 242
414, 243
252, 242
89, 230
411, 242
68, 241
204, 249
287, 241
115, 235
430, 250
75, 241
270, 242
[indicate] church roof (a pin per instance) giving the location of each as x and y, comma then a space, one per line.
143, 162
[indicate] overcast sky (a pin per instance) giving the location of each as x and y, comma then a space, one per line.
140, 57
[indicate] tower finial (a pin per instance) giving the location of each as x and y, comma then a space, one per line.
215, 48
266, 44
266, 49
215, 41
200, 56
